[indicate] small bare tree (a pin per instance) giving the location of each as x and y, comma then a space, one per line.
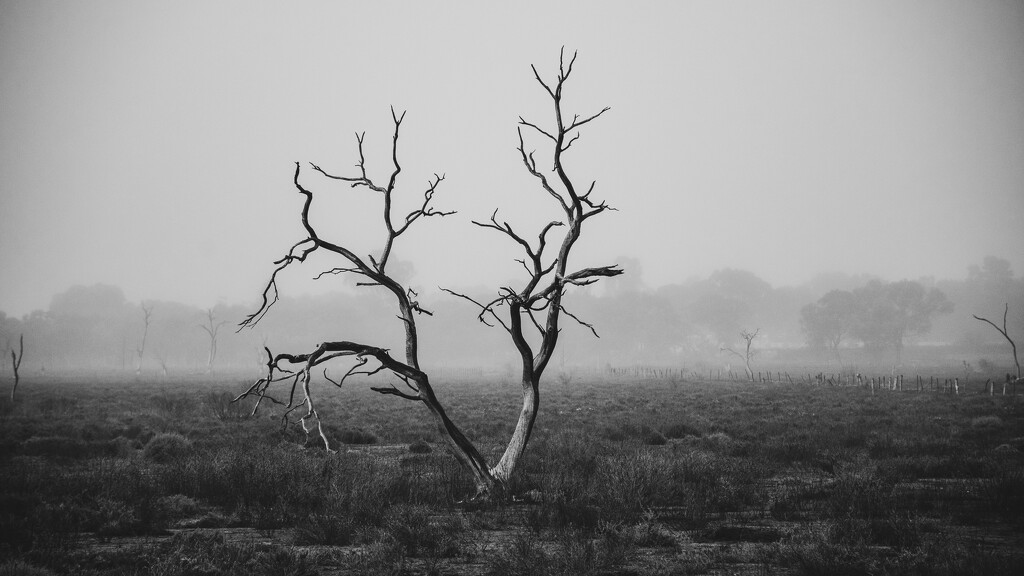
16, 363
1006, 335
140, 351
161, 358
212, 327
748, 353
536, 307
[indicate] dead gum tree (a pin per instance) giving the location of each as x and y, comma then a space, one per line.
147, 315
1006, 334
748, 353
530, 315
16, 363
212, 327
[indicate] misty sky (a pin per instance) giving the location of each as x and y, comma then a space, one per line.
152, 145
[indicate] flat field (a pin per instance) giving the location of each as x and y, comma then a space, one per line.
623, 476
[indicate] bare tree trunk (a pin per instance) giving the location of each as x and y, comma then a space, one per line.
16, 363
147, 313
211, 328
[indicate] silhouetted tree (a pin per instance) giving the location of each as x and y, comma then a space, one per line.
16, 359
890, 312
212, 327
748, 352
1005, 334
536, 307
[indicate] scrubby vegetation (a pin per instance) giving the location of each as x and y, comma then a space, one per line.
625, 477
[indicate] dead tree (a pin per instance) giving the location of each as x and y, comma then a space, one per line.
147, 315
16, 363
211, 328
1006, 335
748, 354
162, 360
536, 306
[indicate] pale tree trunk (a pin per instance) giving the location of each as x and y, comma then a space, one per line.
147, 313
16, 363
503, 470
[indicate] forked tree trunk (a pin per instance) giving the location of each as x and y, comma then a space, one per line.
549, 276
502, 471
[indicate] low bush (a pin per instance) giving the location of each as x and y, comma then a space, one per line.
222, 406
654, 438
167, 447
420, 447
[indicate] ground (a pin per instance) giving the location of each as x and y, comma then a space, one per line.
117, 475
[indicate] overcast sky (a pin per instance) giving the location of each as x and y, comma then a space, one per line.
152, 144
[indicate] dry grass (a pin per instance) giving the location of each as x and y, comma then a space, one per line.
623, 477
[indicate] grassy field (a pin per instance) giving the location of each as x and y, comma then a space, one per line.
168, 477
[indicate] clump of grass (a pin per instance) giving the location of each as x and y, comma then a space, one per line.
991, 422
167, 447
649, 533
654, 438
574, 553
1003, 494
74, 448
19, 568
415, 533
354, 436
325, 529
680, 430
221, 405
816, 551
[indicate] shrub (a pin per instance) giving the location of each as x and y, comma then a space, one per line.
223, 407
177, 506
164, 448
420, 447
649, 533
654, 438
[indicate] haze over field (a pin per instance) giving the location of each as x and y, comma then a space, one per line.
152, 146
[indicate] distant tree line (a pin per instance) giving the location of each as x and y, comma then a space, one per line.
833, 317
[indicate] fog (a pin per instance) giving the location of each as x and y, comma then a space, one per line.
151, 148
